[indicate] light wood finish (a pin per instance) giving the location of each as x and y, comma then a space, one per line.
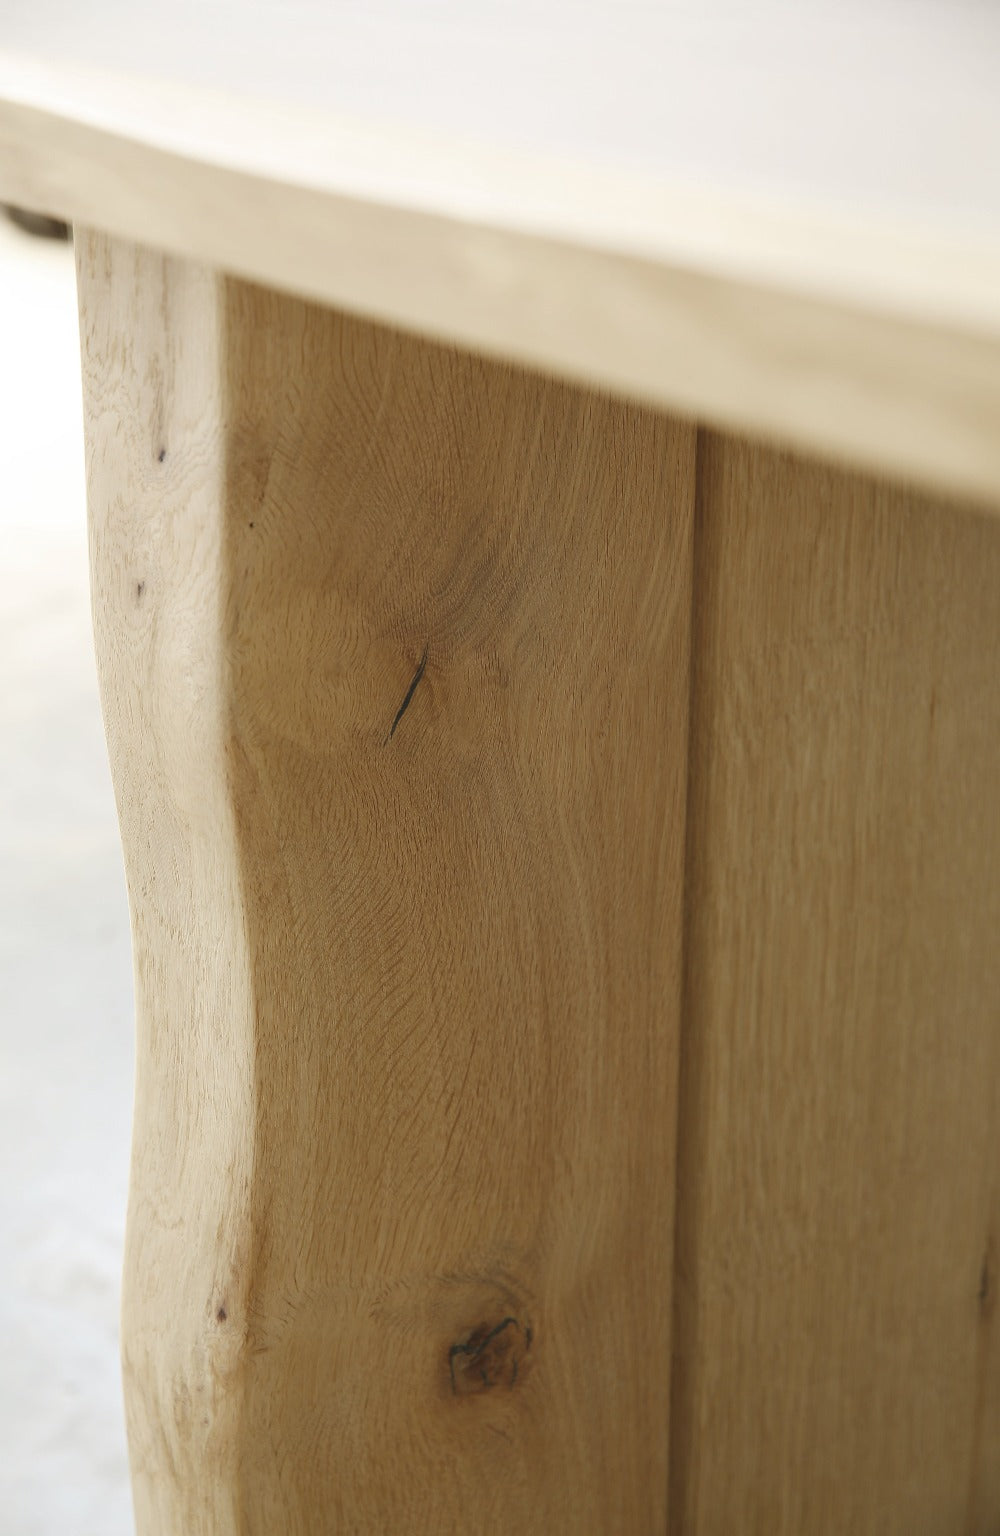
837, 1353
825, 103
407, 979
787, 225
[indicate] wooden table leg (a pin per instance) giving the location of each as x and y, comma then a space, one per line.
837, 1347
394, 655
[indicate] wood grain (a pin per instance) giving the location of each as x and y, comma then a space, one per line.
394, 656
837, 1355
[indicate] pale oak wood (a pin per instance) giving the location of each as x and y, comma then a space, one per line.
882, 107
407, 979
790, 226
837, 1353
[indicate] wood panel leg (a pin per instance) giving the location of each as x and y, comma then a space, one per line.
394, 653
838, 1259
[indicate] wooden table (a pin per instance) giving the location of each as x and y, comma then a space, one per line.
542, 466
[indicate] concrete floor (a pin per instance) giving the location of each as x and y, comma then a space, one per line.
65, 970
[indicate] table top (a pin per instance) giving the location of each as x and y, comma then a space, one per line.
781, 217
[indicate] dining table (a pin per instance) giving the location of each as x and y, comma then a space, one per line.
543, 466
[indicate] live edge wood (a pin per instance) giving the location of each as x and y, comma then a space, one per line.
394, 657
450, 935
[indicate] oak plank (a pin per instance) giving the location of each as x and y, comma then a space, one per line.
394, 654
837, 1357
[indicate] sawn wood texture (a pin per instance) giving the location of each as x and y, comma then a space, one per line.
394, 655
